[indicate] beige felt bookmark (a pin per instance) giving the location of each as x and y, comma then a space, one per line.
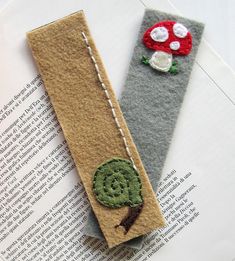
99, 140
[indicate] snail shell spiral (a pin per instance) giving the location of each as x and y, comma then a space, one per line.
116, 183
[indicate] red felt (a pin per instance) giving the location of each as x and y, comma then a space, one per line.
185, 43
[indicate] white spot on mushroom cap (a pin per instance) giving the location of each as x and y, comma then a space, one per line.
180, 30
175, 45
159, 34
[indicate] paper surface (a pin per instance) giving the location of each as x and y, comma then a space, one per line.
201, 154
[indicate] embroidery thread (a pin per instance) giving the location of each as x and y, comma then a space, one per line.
167, 38
116, 183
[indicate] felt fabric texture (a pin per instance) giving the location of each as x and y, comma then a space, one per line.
116, 183
185, 43
151, 102
71, 80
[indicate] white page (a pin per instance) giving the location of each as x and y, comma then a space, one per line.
202, 145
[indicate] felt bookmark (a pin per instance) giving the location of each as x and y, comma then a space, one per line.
154, 90
101, 145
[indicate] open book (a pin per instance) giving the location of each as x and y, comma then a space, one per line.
43, 206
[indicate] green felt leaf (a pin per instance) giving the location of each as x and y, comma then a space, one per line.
116, 183
145, 60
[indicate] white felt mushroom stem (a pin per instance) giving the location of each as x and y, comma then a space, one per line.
161, 61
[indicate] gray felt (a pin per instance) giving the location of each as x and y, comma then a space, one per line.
150, 102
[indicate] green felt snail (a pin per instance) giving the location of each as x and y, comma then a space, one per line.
116, 184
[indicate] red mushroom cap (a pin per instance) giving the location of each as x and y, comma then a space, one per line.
170, 37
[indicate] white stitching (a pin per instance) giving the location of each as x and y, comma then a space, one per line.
107, 94
108, 99
103, 85
121, 131
99, 77
114, 113
117, 122
110, 103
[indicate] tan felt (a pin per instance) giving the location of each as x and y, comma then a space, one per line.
86, 118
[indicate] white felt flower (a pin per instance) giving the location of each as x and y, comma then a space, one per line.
161, 61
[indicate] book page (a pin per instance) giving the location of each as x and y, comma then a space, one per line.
43, 206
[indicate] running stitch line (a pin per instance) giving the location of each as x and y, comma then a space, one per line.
108, 99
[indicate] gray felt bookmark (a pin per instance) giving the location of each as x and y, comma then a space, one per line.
154, 90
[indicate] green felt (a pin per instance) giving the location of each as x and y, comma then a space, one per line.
116, 183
